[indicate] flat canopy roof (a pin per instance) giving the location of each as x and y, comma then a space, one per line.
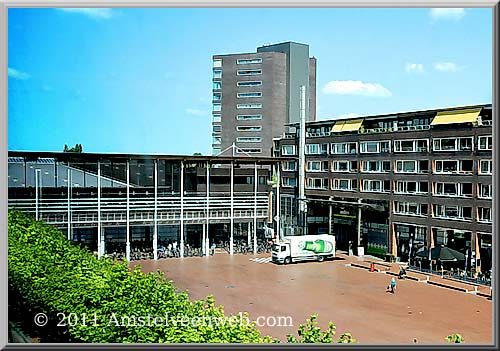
116, 156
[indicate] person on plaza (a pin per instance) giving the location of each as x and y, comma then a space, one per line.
392, 285
402, 272
169, 248
174, 248
212, 249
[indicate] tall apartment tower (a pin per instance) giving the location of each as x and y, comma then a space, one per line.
256, 94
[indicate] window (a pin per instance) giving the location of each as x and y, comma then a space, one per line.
216, 151
249, 139
216, 140
217, 74
344, 148
289, 166
216, 85
240, 106
217, 107
375, 185
452, 212
287, 150
317, 166
317, 183
249, 150
249, 84
453, 144
410, 187
453, 189
484, 191
217, 118
248, 117
344, 166
412, 166
249, 95
217, 63
289, 182
249, 128
485, 142
410, 208
344, 184
453, 166
249, 72
410, 145
485, 167
376, 166
217, 128
484, 214
316, 149
366, 147
217, 96
248, 61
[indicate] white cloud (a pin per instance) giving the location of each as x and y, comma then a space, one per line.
414, 67
196, 112
19, 75
447, 13
95, 12
355, 87
348, 115
448, 67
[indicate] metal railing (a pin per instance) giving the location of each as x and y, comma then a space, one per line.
395, 129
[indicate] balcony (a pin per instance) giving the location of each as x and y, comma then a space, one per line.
395, 129
318, 134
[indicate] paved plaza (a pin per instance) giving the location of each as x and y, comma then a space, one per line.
355, 299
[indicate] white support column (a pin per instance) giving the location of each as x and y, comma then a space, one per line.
231, 243
100, 242
38, 175
206, 237
278, 204
69, 205
249, 238
203, 239
182, 210
256, 182
155, 221
127, 249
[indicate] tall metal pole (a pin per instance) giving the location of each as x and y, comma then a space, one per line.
127, 249
37, 171
256, 182
231, 244
359, 228
100, 244
302, 213
207, 238
182, 210
155, 224
69, 204
278, 205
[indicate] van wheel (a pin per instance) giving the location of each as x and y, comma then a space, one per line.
287, 260
321, 258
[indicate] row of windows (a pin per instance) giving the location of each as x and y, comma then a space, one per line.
464, 213
218, 96
217, 63
400, 166
217, 107
483, 191
250, 150
419, 145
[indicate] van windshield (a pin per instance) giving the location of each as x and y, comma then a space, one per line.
276, 248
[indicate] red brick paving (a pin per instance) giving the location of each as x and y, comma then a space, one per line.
354, 299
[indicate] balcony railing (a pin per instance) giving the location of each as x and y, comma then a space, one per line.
395, 129
317, 134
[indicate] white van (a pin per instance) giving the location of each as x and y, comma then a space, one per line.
304, 247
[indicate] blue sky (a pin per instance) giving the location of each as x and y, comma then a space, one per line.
139, 80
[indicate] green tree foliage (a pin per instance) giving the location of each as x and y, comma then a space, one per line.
77, 148
197, 154
56, 276
311, 333
455, 338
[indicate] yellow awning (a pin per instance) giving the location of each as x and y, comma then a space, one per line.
350, 126
457, 116
347, 126
337, 127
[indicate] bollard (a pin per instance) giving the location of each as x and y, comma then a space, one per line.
372, 267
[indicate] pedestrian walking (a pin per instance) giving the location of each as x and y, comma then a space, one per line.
212, 249
392, 285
